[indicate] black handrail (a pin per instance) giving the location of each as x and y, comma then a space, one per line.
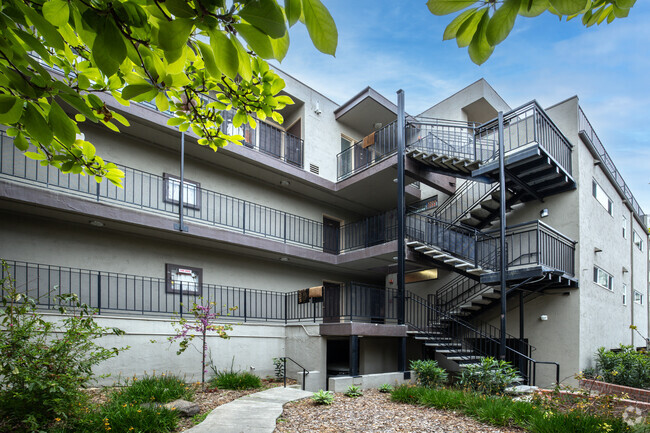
284, 368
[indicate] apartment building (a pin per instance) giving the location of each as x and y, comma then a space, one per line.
294, 235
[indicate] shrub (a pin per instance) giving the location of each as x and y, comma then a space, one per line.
149, 389
323, 397
44, 364
490, 376
353, 391
625, 367
407, 394
385, 388
235, 380
429, 374
126, 417
278, 364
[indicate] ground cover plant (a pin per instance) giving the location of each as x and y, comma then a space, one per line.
504, 411
353, 391
235, 380
624, 367
490, 376
323, 397
153, 389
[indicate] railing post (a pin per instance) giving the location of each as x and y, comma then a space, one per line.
243, 226
502, 240
284, 361
285, 227
96, 190
535, 131
286, 308
181, 300
99, 293
245, 305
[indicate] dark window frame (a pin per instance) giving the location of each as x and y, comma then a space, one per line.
197, 198
170, 267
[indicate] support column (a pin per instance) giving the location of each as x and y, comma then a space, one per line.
354, 355
181, 226
502, 238
401, 222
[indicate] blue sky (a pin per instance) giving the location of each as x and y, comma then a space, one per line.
398, 44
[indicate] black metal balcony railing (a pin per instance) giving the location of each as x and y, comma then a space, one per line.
456, 292
466, 198
355, 158
370, 231
450, 138
617, 179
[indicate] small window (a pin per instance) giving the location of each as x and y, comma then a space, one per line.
624, 294
602, 197
191, 191
638, 241
183, 278
638, 297
624, 227
603, 278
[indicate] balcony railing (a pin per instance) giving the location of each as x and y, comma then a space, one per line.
155, 193
356, 157
616, 177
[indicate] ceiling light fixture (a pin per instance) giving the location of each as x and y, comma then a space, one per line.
96, 223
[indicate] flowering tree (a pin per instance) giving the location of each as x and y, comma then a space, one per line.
203, 321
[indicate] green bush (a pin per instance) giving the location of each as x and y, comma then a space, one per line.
490, 376
353, 391
278, 365
573, 422
44, 364
323, 397
159, 389
115, 417
235, 380
429, 374
626, 367
407, 394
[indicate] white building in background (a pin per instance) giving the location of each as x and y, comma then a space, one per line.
297, 229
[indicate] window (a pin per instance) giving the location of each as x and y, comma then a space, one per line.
638, 241
603, 279
638, 297
624, 227
602, 197
346, 157
624, 294
191, 191
183, 278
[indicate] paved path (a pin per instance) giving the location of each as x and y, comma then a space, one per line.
254, 413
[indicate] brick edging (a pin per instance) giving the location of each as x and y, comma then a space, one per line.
639, 395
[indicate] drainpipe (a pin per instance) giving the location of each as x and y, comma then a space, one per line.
632, 277
502, 238
401, 232
180, 226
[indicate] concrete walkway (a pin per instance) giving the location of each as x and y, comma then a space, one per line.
254, 413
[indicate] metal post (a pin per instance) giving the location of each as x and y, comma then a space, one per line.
401, 217
502, 239
181, 300
284, 369
245, 306
522, 360
354, 355
99, 292
180, 226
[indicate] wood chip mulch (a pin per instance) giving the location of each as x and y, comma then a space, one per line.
375, 412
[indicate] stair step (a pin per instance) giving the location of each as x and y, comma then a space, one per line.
464, 359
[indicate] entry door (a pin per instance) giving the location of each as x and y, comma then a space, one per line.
331, 303
331, 230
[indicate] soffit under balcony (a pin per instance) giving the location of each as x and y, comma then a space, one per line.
366, 109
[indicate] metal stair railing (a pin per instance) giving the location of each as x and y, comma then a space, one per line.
461, 241
284, 371
474, 340
467, 197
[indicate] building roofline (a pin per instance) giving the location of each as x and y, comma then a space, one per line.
368, 92
274, 66
469, 85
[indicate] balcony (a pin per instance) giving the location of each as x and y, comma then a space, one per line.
588, 133
359, 157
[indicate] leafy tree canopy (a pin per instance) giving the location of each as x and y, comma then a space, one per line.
484, 24
173, 52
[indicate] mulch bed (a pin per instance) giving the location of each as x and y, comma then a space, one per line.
375, 412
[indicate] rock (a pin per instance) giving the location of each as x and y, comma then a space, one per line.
184, 407
521, 390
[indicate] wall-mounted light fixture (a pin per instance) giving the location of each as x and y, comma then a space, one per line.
96, 223
543, 213
284, 259
285, 182
317, 109
378, 125
543, 317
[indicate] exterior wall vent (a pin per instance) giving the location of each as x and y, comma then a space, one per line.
314, 168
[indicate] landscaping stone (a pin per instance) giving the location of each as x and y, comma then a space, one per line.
183, 407
521, 390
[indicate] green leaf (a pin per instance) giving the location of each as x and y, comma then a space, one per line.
280, 46
34, 155
208, 59
109, 49
444, 7
162, 103
245, 69
533, 8
135, 90
79, 104
569, 7
266, 15
56, 12
502, 22
172, 35
21, 142
45, 29
63, 127
466, 30
620, 13
36, 125
225, 53
625, 4
88, 149
293, 9
11, 109
180, 8
321, 26
258, 41
454, 25
480, 49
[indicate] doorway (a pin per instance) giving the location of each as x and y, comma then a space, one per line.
331, 235
331, 302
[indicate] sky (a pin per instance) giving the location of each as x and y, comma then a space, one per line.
392, 45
